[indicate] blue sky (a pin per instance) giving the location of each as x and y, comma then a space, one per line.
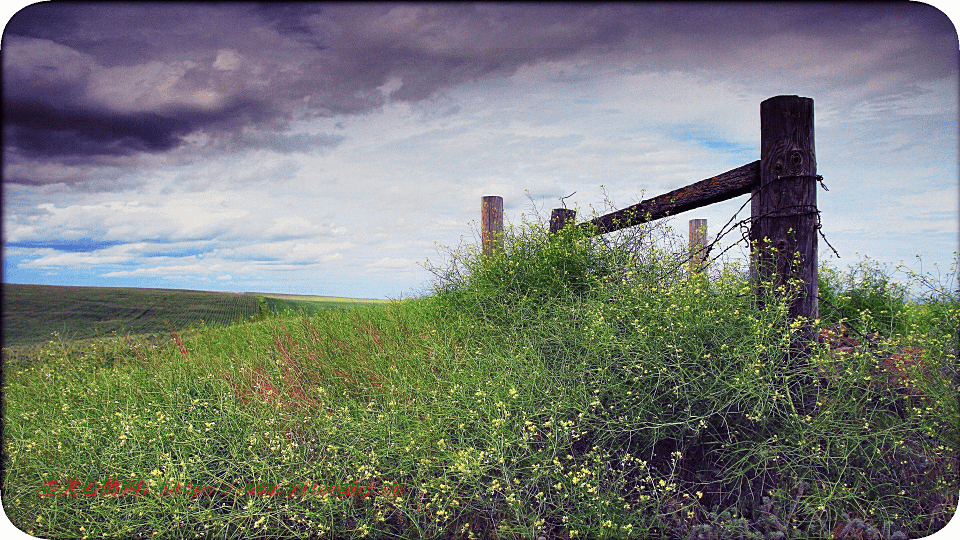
330, 149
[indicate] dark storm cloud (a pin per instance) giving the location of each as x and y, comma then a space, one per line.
37, 129
89, 79
130, 33
291, 20
106, 81
432, 47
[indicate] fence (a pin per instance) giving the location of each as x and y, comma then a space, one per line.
783, 205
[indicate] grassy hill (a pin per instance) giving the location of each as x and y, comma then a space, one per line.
562, 389
278, 303
32, 313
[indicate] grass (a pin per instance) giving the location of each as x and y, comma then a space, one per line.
567, 387
33, 313
279, 303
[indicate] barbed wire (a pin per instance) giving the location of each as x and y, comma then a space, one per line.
745, 224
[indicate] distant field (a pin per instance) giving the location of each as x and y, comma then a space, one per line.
32, 313
279, 303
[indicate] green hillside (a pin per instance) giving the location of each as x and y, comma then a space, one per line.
32, 313
279, 303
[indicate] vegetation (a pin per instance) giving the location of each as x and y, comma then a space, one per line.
32, 313
566, 387
280, 303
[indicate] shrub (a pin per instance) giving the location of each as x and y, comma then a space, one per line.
864, 297
684, 389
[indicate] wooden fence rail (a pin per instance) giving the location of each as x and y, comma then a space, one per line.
722, 187
784, 216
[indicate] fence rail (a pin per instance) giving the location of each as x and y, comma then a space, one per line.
722, 187
784, 217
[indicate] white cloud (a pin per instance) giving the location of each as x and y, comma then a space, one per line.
387, 262
294, 226
51, 258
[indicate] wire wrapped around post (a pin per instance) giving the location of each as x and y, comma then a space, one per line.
783, 210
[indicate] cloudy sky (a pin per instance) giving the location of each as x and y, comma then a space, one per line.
330, 148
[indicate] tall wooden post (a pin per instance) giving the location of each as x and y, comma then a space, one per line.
784, 206
491, 220
698, 244
560, 217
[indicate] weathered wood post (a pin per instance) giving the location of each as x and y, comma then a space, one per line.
560, 217
783, 210
491, 224
698, 244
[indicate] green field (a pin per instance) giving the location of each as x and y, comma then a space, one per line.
279, 303
33, 313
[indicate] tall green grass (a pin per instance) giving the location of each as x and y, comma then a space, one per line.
566, 387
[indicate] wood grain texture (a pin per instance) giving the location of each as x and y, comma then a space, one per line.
491, 217
728, 185
784, 205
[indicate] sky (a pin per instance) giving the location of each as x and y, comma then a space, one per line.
333, 149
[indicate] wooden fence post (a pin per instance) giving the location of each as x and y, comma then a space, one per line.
560, 217
783, 210
698, 244
491, 218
